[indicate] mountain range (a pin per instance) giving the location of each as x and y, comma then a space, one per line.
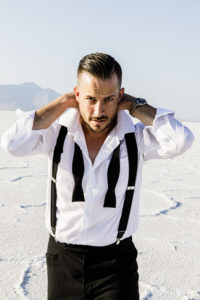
26, 96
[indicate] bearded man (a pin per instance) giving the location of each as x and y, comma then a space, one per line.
95, 154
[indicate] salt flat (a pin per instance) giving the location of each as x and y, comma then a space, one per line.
168, 239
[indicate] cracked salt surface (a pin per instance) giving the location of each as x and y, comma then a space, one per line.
31, 273
20, 177
167, 239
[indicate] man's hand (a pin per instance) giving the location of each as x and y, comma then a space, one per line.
47, 114
125, 103
71, 101
145, 113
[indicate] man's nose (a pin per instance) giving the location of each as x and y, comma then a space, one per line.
98, 109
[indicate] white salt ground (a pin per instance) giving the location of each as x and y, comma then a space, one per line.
168, 238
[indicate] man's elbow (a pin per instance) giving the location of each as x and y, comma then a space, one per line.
184, 141
5, 143
9, 146
177, 144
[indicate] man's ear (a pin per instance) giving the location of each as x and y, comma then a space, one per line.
121, 93
76, 92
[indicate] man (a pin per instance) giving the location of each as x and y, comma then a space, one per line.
95, 157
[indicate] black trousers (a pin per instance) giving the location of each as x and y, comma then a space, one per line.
78, 272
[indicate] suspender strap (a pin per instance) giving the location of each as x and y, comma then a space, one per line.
112, 175
78, 171
133, 162
56, 159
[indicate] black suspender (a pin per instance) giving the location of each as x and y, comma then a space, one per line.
133, 163
56, 159
78, 171
112, 176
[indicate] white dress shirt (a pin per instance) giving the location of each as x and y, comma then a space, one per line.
89, 223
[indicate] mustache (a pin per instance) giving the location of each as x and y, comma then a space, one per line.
98, 118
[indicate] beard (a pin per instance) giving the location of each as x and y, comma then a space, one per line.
98, 128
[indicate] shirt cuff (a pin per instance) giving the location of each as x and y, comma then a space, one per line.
160, 112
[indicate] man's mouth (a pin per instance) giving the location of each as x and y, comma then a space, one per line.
98, 120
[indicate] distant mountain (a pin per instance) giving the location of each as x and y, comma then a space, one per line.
26, 96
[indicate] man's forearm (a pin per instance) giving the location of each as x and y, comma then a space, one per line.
145, 113
47, 114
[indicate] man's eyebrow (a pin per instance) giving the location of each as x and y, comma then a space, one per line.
89, 95
110, 96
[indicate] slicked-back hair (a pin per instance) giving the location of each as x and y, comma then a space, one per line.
100, 65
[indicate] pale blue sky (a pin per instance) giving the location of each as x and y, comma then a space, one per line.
157, 43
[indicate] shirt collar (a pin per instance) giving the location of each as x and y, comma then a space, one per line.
71, 119
124, 124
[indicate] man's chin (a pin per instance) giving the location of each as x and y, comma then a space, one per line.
97, 129
100, 127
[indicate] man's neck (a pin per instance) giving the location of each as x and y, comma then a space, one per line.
95, 140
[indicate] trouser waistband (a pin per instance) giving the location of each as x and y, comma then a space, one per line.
88, 249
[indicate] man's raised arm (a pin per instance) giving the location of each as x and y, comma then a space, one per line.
47, 114
161, 136
24, 136
145, 113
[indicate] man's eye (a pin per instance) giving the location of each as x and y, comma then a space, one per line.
90, 98
108, 99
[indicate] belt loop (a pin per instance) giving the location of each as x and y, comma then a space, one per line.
54, 233
118, 241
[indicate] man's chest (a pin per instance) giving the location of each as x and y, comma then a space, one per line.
95, 176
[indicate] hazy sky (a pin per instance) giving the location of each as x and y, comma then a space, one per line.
157, 43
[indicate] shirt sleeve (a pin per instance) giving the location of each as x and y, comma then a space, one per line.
20, 139
166, 138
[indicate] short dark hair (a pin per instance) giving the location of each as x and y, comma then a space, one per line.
100, 65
